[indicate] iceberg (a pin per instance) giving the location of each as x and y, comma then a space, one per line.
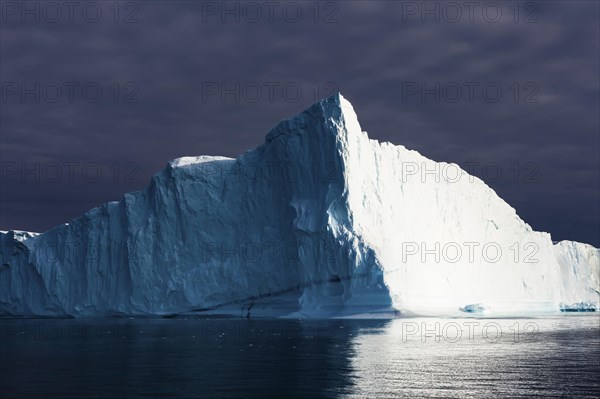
318, 221
579, 307
475, 308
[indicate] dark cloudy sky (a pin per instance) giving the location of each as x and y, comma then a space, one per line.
96, 98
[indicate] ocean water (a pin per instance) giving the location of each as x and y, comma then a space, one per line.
557, 356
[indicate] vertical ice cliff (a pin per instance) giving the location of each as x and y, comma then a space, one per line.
318, 221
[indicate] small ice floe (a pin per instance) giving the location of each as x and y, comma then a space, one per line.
578, 307
475, 308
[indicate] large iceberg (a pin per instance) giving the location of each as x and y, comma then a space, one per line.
318, 221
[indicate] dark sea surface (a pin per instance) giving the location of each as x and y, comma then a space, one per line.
556, 356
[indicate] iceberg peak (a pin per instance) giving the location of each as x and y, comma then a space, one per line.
335, 113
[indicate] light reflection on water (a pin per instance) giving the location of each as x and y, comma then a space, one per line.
420, 357
557, 356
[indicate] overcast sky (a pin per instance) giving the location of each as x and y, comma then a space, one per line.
96, 97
